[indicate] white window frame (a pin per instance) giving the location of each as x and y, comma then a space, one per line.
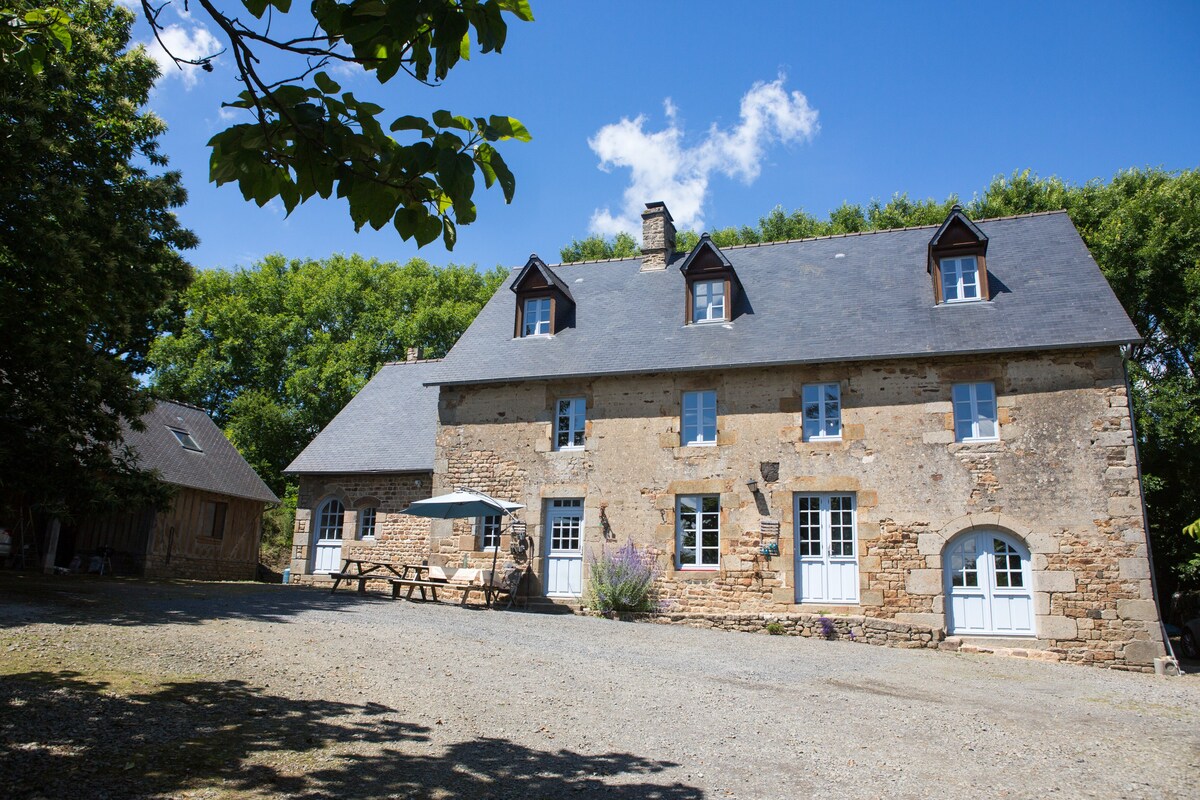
825, 542
363, 516
485, 531
537, 312
970, 401
693, 428
325, 520
954, 270
714, 309
818, 394
698, 519
576, 422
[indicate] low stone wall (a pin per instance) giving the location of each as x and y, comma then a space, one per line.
868, 630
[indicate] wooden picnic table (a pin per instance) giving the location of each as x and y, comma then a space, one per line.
365, 570
417, 577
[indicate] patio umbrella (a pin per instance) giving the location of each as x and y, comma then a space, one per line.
464, 503
461, 504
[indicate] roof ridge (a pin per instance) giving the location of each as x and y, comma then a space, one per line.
819, 238
889, 230
592, 261
181, 403
418, 361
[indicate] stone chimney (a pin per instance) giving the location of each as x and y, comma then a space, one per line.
412, 354
658, 236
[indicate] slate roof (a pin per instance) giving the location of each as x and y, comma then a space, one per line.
389, 426
841, 298
218, 467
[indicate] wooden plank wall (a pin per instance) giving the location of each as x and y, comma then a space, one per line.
182, 548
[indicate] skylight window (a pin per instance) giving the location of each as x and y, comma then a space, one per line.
186, 441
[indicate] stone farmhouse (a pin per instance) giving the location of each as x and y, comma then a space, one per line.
214, 525
923, 434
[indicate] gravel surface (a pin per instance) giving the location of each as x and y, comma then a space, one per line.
117, 688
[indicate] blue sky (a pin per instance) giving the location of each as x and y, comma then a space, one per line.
929, 99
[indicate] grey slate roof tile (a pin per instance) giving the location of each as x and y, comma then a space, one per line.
389, 426
808, 304
219, 468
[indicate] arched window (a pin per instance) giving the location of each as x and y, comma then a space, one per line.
988, 585
330, 519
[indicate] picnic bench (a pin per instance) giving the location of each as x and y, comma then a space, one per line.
430, 578
365, 570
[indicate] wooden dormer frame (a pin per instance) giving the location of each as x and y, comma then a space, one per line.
535, 281
957, 237
705, 263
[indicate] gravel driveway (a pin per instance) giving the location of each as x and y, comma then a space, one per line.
127, 689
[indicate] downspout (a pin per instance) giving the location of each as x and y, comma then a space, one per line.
1137, 457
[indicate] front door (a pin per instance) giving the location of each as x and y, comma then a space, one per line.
327, 537
826, 549
564, 548
988, 581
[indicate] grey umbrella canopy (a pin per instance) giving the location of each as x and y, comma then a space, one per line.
459, 505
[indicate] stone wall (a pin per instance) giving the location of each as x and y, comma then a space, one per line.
1062, 480
399, 538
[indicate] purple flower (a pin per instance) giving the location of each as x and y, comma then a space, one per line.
622, 579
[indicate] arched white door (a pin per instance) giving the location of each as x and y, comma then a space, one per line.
988, 585
327, 536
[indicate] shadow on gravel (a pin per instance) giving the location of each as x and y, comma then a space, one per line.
75, 599
64, 736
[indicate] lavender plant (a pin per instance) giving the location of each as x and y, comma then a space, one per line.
827, 628
622, 579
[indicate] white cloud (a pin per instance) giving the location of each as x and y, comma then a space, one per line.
186, 43
663, 167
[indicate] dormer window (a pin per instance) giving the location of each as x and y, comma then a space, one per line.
537, 317
712, 285
960, 279
544, 303
957, 260
708, 301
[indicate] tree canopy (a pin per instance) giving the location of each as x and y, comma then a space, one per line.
90, 269
274, 351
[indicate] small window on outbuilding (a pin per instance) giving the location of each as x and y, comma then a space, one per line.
958, 260
544, 303
185, 440
712, 285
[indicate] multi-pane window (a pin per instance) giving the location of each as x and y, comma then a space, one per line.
964, 563
699, 418
708, 301
566, 529
487, 529
536, 317
960, 279
822, 411
698, 528
330, 519
1009, 572
366, 522
974, 412
569, 421
826, 553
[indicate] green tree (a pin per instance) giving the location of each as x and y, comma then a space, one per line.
89, 262
273, 352
595, 248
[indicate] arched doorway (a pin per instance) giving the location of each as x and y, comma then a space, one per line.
327, 536
988, 585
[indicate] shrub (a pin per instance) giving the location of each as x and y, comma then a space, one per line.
775, 628
622, 579
828, 630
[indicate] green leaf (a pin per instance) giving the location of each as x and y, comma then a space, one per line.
449, 233
326, 84
256, 7
508, 184
444, 119
509, 128
411, 123
429, 228
519, 8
